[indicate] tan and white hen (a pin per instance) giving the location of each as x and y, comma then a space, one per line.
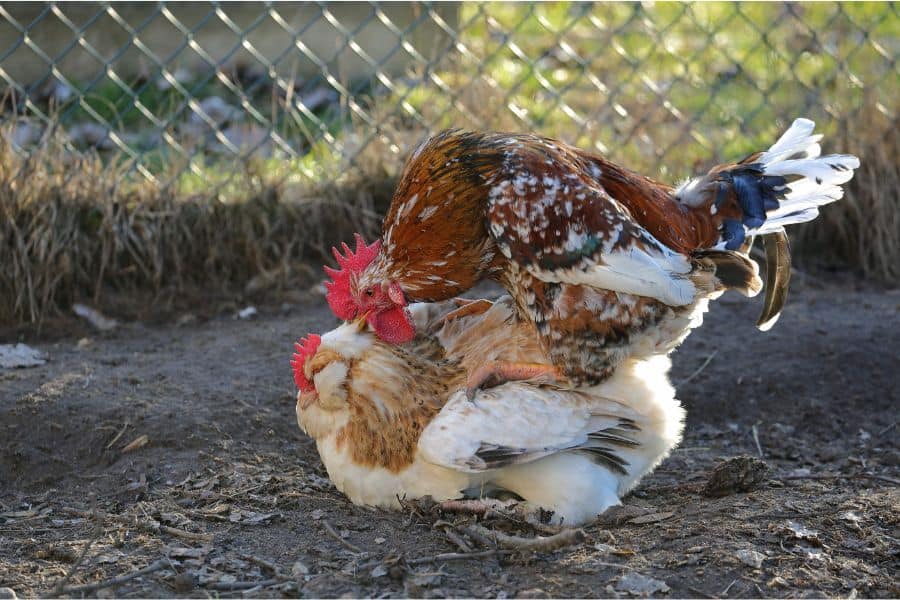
393, 421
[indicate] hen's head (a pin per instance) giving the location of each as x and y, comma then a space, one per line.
354, 292
320, 370
305, 350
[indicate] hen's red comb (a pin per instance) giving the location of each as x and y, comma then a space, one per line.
339, 297
306, 348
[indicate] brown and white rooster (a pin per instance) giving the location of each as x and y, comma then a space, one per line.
602, 263
393, 421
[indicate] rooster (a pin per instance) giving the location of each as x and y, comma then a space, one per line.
602, 263
392, 421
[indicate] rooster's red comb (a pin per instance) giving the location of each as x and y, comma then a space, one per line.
305, 348
339, 297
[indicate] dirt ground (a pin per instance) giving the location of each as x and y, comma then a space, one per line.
225, 496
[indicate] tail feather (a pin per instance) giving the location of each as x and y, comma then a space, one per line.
769, 190
798, 140
735, 271
761, 195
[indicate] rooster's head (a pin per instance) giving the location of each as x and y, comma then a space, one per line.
355, 291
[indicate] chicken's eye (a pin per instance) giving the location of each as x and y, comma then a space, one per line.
369, 292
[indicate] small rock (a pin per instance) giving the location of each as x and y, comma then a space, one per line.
247, 313
20, 356
7, 594
83, 343
802, 532
751, 558
619, 515
737, 474
184, 582
379, 571
641, 585
299, 569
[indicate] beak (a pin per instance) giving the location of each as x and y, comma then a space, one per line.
361, 321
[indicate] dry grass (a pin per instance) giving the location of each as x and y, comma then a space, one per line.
71, 230
863, 230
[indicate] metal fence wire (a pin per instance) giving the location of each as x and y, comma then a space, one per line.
178, 90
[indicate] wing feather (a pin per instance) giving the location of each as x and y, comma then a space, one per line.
519, 422
547, 213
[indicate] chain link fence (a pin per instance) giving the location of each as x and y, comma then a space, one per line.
176, 92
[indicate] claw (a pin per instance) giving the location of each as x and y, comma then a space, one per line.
496, 373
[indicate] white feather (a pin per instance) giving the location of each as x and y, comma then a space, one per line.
817, 168
814, 180
651, 273
798, 139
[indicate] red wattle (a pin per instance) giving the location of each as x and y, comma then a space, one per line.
394, 326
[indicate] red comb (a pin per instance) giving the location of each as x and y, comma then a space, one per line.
306, 348
341, 301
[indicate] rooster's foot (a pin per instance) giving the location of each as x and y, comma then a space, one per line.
496, 373
467, 308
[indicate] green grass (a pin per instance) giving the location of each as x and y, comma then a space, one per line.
733, 75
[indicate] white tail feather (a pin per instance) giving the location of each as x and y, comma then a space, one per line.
813, 180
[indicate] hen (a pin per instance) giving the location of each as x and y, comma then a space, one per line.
392, 421
602, 263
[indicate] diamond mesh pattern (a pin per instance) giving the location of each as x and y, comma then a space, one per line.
662, 87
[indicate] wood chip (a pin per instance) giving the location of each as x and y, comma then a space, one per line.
137, 443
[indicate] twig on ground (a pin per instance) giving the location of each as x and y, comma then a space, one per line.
566, 537
148, 524
698, 371
827, 477
725, 591
488, 508
265, 564
701, 593
118, 435
241, 585
451, 534
457, 556
756, 439
187, 535
98, 585
330, 530
95, 535
674, 487
886, 429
